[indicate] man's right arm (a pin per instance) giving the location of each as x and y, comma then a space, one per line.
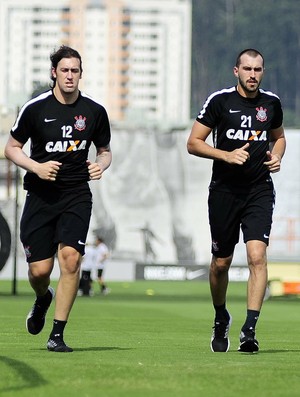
197, 146
14, 152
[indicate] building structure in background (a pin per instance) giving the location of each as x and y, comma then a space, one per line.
136, 54
137, 63
28, 32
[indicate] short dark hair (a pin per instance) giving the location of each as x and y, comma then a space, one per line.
249, 51
63, 52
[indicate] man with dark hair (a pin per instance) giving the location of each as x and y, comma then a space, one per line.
249, 143
252, 53
63, 52
61, 124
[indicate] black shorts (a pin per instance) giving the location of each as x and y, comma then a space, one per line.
250, 211
53, 217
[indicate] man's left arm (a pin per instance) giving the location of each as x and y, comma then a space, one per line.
277, 149
103, 161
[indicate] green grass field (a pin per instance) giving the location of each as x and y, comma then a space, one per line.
133, 344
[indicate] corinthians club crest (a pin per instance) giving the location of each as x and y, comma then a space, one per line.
80, 123
261, 114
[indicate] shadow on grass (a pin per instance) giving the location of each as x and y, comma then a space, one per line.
94, 349
261, 352
100, 349
30, 377
279, 351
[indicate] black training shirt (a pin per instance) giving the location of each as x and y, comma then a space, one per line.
63, 133
236, 120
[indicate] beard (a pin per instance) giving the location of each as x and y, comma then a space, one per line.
248, 89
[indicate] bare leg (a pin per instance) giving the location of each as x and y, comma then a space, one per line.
39, 278
218, 278
257, 262
69, 262
39, 275
101, 283
257, 282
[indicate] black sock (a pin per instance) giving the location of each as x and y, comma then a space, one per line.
58, 329
221, 312
251, 320
44, 298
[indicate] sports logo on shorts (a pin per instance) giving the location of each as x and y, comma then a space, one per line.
215, 245
80, 123
261, 114
27, 251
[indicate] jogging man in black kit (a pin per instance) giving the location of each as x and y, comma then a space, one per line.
61, 125
249, 142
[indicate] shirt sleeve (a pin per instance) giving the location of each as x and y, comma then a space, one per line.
210, 112
22, 127
102, 133
278, 115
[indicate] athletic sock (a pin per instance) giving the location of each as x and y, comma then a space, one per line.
41, 299
251, 320
58, 329
221, 313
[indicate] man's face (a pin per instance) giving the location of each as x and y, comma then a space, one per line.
67, 74
249, 73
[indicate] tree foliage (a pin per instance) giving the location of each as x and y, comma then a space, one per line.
223, 28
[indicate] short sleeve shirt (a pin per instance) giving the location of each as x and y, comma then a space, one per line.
62, 133
235, 121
